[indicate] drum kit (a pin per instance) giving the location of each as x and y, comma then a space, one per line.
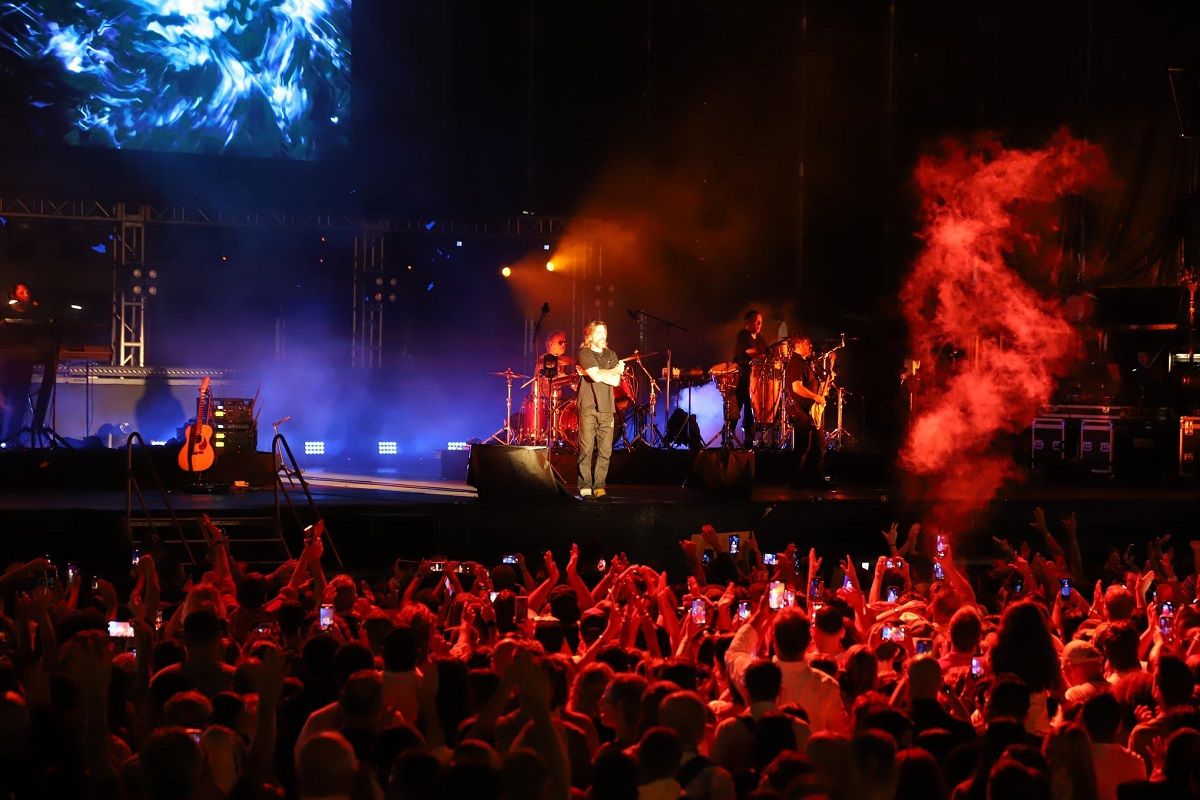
549, 412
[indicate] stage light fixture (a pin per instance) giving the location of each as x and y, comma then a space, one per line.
545, 247
392, 297
393, 282
388, 449
76, 307
137, 273
506, 272
458, 243
153, 290
137, 289
377, 297
314, 448
457, 446
152, 274
379, 281
549, 266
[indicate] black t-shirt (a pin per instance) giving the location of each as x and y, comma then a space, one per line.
593, 394
798, 369
745, 341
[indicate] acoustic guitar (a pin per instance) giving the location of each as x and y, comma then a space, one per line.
197, 454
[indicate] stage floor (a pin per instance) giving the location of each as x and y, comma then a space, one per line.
375, 518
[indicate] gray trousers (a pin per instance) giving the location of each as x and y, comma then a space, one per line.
595, 439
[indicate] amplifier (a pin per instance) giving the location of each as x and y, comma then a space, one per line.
233, 410
235, 437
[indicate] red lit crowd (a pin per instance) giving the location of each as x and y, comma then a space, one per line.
753, 675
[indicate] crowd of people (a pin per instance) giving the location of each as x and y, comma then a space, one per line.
751, 675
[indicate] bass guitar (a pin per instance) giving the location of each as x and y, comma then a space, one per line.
197, 454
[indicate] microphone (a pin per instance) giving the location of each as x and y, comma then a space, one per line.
546, 307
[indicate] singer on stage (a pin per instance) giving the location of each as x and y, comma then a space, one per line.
602, 371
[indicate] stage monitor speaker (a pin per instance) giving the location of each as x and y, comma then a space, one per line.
723, 472
682, 428
504, 472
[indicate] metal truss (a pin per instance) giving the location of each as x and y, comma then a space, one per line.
129, 307
520, 225
370, 292
371, 288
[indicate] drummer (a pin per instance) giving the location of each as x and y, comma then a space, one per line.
749, 347
556, 357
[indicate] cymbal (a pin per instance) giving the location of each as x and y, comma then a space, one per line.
508, 373
724, 366
639, 356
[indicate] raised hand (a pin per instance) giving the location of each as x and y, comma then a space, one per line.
892, 534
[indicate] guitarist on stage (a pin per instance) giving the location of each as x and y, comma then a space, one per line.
805, 397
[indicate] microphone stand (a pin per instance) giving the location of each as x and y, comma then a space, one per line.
537, 366
649, 432
639, 313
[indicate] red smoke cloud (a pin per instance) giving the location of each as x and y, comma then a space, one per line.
985, 209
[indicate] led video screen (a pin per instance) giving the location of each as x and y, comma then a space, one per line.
255, 78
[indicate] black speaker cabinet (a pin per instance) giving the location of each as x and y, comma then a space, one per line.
503, 472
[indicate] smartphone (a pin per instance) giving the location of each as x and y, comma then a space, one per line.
847, 584
789, 598
775, 595
119, 630
158, 619
509, 559
601, 565
924, 646
893, 594
939, 574
769, 559
72, 571
815, 606
262, 630
735, 544
699, 612
941, 545
1065, 588
977, 666
492, 596
437, 566
326, 618
194, 733
899, 633
706, 559
449, 587
95, 584
308, 529
886, 633
520, 609
461, 569
1167, 609
1018, 585
135, 557
892, 563
743, 611
1164, 624
816, 587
